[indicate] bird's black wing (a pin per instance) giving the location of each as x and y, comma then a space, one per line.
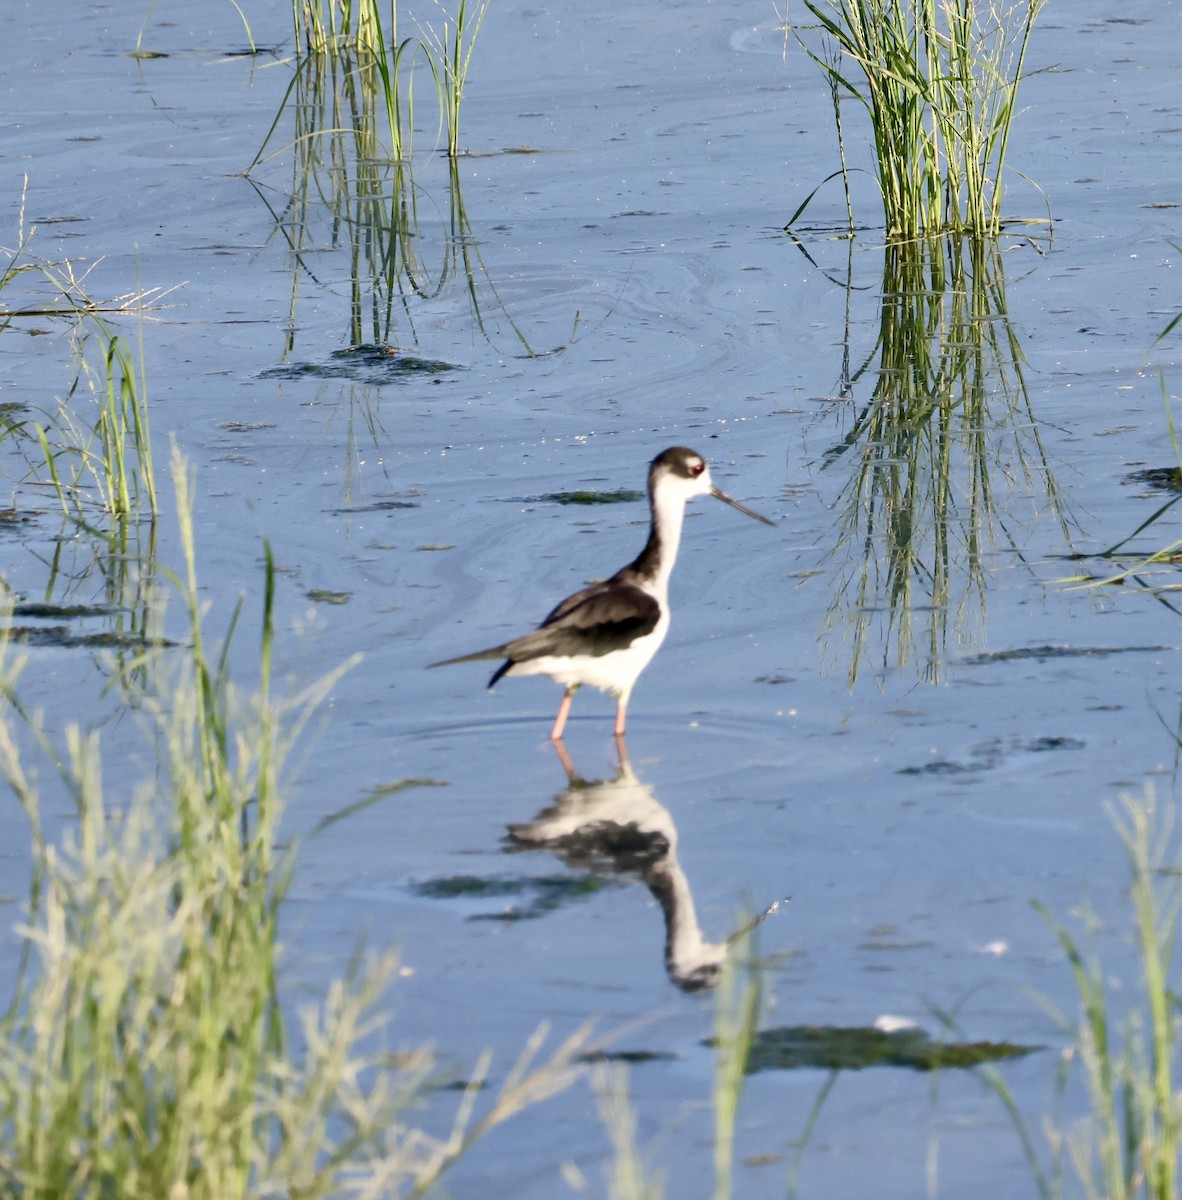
573, 601
601, 618
593, 622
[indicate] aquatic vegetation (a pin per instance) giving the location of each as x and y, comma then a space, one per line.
33, 287
1128, 1147
619, 496
450, 50
100, 462
836, 1048
939, 82
345, 193
328, 25
352, 100
104, 463
1126, 1144
344, 190
145, 1049
352, 33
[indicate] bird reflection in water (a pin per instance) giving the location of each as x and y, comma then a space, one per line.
617, 825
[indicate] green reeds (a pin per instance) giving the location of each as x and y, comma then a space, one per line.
97, 457
351, 93
1128, 1147
329, 25
354, 33
402, 244
144, 1052
450, 51
939, 82
100, 458
345, 193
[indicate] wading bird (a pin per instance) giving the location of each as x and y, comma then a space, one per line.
605, 635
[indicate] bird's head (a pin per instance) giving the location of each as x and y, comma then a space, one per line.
682, 473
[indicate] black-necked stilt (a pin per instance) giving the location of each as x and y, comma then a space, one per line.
605, 635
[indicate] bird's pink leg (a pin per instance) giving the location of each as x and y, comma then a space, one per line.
563, 712
622, 749
564, 758
621, 716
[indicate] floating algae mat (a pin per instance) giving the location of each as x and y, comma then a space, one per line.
833, 1048
620, 496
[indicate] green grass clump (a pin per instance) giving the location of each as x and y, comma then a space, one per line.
939, 82
99, 457
96, 458
1127, 1147
1126, 1143
144, 1053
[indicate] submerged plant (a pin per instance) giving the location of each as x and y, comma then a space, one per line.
939, 82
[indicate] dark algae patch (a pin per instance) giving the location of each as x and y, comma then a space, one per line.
620, 496
528, 896
989, 754
837, 1048
1162, 479
62, 637
33, 610
365, 364
632, 1058
1038, 653
376, 506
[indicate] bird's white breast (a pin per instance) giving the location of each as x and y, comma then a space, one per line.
614, 672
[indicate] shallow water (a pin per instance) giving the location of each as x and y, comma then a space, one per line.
910, 814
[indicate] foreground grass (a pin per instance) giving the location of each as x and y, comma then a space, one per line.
1128, 1146
1122, 1044
144, 1053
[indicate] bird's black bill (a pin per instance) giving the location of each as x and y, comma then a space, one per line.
719, 494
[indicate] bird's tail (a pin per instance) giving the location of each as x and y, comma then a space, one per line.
491, 652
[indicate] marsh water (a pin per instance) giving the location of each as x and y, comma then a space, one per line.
891, 710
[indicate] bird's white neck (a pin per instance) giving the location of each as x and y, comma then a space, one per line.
656, 560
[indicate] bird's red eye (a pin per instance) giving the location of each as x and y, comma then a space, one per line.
697, 468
